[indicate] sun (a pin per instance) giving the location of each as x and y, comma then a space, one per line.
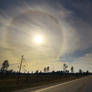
38, 39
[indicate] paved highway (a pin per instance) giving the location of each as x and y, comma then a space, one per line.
78, 85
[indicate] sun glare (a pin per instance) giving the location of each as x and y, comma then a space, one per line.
38, 39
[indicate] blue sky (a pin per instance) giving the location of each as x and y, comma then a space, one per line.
64, 24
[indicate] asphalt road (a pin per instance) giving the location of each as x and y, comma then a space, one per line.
78, 85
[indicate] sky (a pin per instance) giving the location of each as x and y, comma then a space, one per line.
64, 25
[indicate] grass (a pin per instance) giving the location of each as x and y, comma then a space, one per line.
10, 84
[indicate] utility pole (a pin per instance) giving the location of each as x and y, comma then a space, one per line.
22, 58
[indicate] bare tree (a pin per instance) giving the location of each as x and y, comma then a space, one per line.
5, 65
87, 71
45, 69
37, 71
72, 69
80, 70
65, 66
48, 68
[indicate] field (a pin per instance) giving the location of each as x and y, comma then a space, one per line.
14, 81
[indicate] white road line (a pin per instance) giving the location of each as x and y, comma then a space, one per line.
39, 90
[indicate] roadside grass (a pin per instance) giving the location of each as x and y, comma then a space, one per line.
12, 84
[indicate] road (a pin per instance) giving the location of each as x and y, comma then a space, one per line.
78, 85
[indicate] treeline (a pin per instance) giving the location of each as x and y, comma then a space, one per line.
46, 71
10, 80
